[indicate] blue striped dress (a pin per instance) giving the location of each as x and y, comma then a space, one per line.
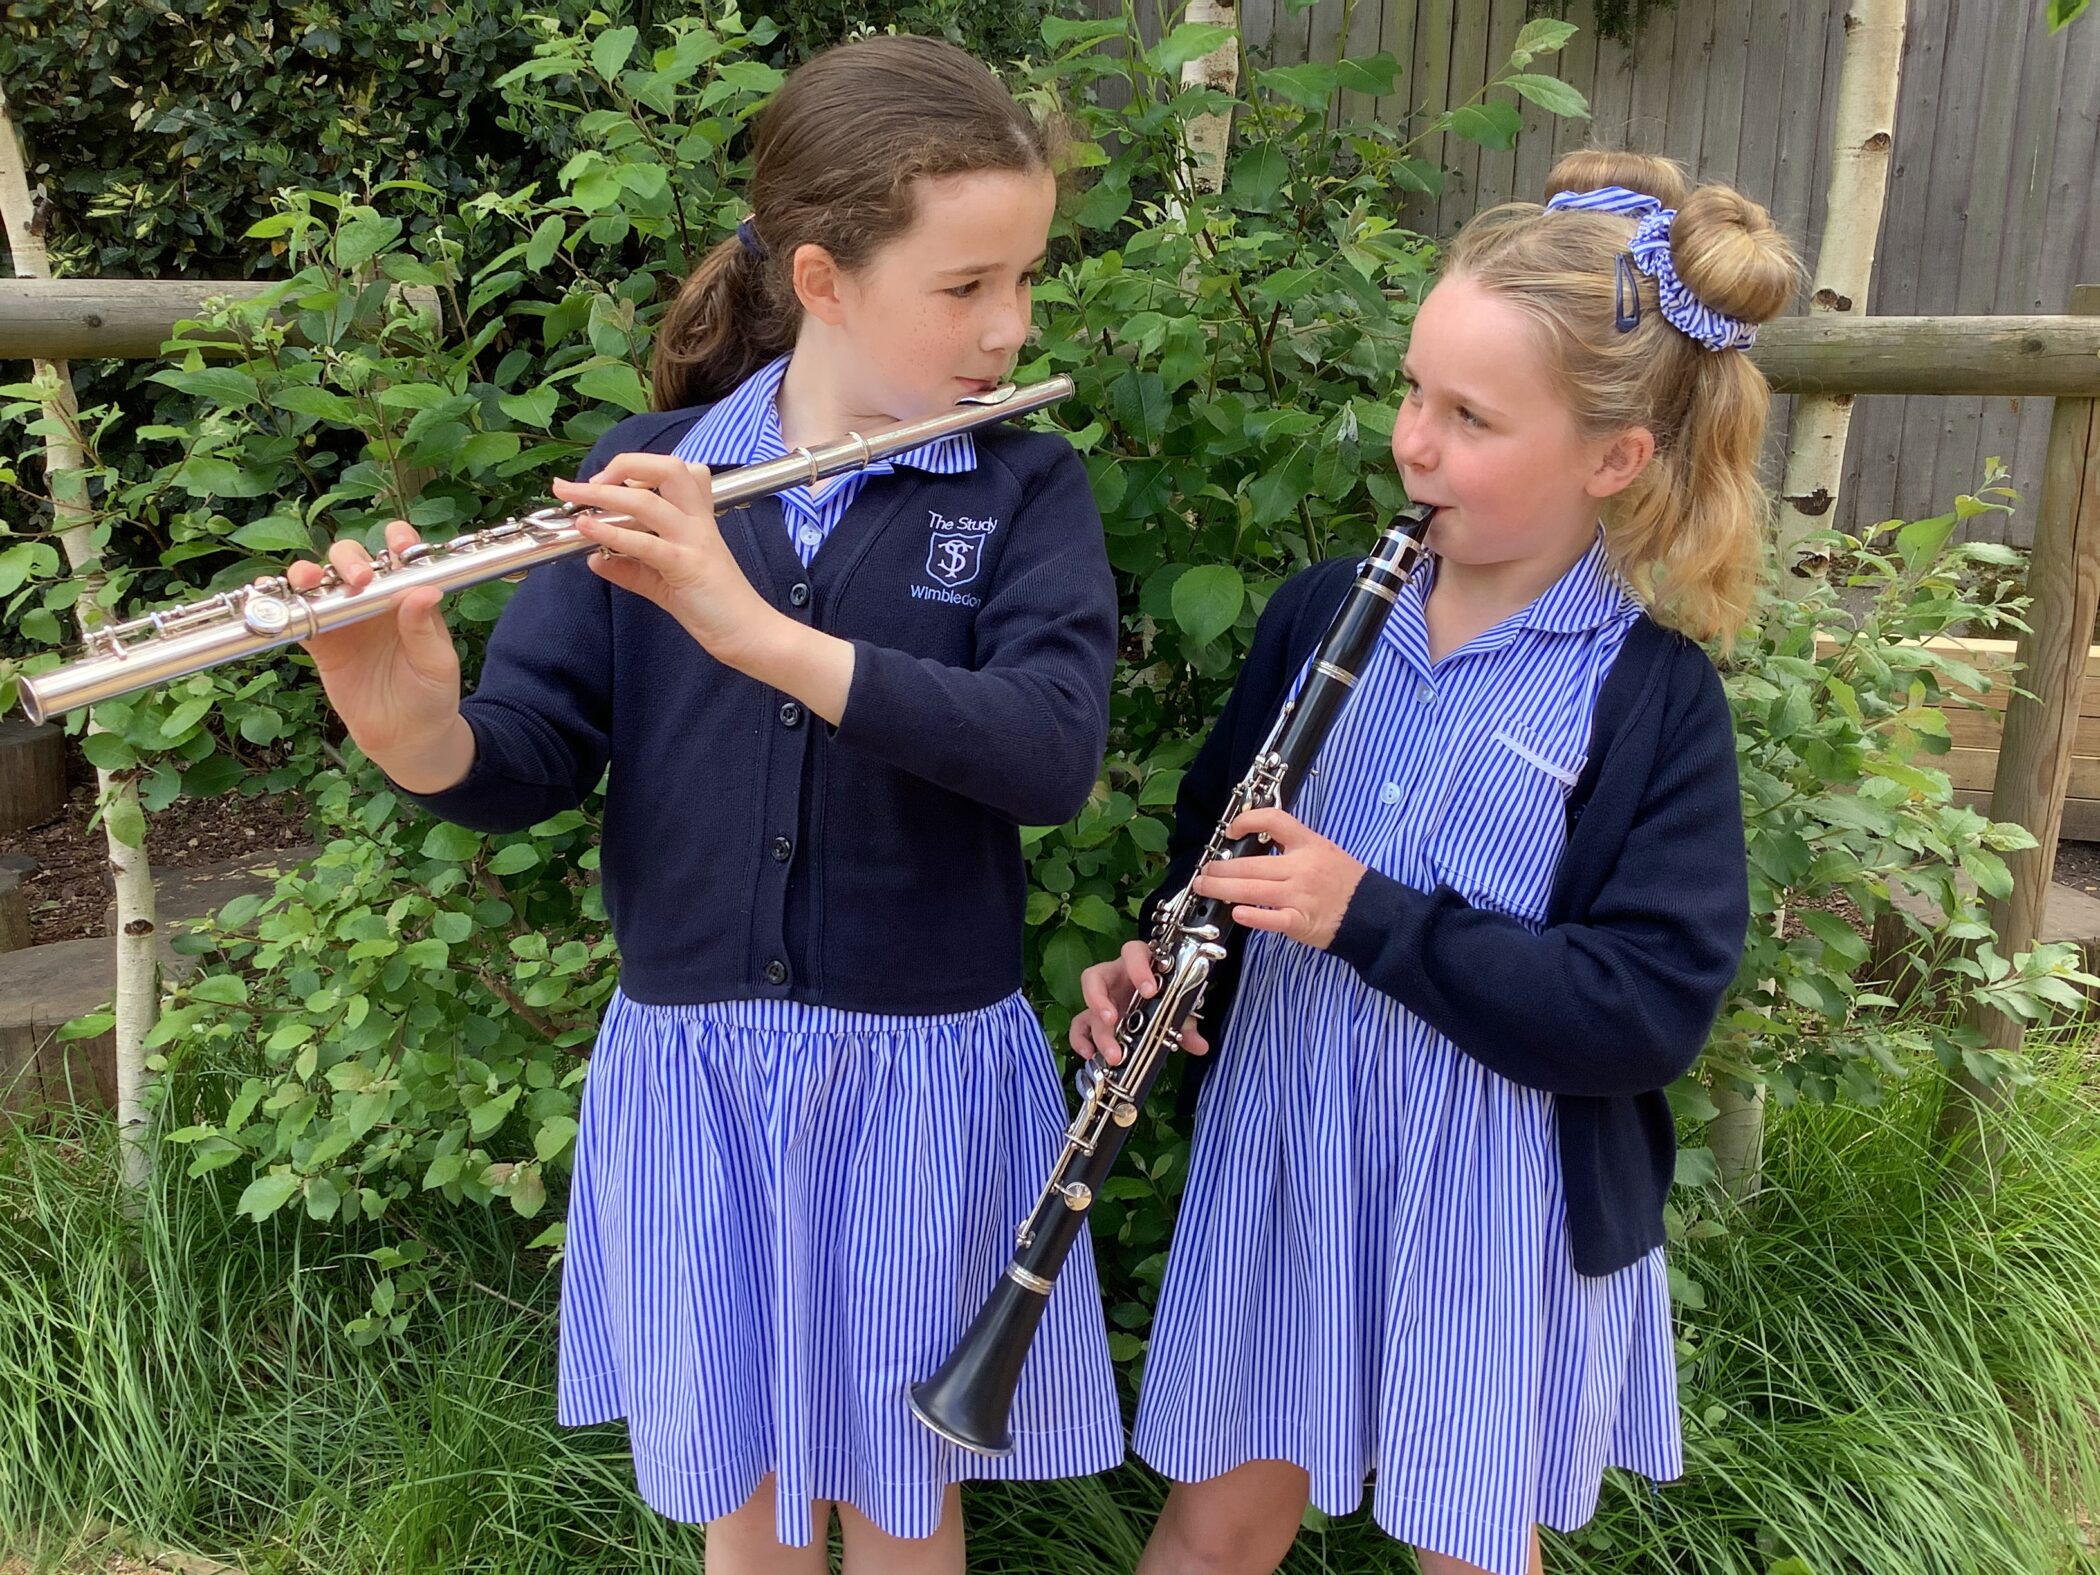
783, 1215
1371, 1274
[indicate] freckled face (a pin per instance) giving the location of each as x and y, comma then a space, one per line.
1483, 434
942, 311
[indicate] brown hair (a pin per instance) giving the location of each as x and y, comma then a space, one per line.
834, 154
1688, 533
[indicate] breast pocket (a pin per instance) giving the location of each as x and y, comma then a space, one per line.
1499, 839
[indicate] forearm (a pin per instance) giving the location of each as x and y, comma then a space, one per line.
814, 667
433, 767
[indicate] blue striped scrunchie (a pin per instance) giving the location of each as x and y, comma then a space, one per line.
1681, 309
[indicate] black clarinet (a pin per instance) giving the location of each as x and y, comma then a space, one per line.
969, 1401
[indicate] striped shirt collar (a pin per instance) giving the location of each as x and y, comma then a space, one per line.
743, 428
1590, 595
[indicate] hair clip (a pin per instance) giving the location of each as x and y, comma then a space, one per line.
1626, 297
747, 234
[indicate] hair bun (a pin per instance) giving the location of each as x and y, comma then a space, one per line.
1732, 256
1586, 169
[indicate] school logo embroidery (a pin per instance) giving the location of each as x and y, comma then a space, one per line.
956, 552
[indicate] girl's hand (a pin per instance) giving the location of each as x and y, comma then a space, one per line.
1108, 987
393, 680
1301, 892
671, 550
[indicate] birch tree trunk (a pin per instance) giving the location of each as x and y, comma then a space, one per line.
1868, 77
1207, 137
65, 467
1864, 134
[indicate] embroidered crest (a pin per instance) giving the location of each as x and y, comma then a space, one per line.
956, 552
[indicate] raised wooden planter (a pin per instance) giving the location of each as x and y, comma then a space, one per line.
1978, 730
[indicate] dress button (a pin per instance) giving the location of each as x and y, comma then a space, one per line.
811, 536
1424, 693
783, 849
776, 972
791, 715
798, 595
1389, 794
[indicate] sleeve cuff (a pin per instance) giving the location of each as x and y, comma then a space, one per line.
1376, 909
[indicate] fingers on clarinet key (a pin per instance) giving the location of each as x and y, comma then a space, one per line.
1137, 960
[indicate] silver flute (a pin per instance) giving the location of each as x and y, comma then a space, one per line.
123, 658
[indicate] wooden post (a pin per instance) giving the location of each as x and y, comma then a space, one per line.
2034, 756
130, 319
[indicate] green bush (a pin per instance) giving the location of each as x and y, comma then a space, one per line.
404, 1017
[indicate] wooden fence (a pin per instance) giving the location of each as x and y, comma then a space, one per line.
1991, 188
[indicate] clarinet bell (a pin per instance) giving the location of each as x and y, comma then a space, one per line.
970, 1400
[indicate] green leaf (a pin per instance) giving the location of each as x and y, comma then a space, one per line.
615, 384
1491, 125
488, 1115
1189, 41
363, 238
209, 476
518, 856
1160, 788
1207, 600
2062, 13
1696, 1167
539, 251
218, 385
1551, 94
265, 1195
1066, 955
611, 49
528, 1192
127, 822
1309, 86
274, 534
1374, 75
1141, 405
427, 953
1258, 176
1094, 913
306, 400
554, 1137
1921, 540
450, 842
108, 751
1542, 35
226, 989
185, 716
1061, 33
535, 409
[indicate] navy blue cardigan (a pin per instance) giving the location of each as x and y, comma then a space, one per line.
1645, 922
750, 851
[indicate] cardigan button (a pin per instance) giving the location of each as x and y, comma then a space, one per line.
783, 850
776, 972
798, 595
791, 715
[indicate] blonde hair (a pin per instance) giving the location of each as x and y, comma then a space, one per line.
1688, 532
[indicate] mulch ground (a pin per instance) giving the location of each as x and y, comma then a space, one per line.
69, 889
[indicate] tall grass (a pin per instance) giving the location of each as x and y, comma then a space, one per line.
1886, 1379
